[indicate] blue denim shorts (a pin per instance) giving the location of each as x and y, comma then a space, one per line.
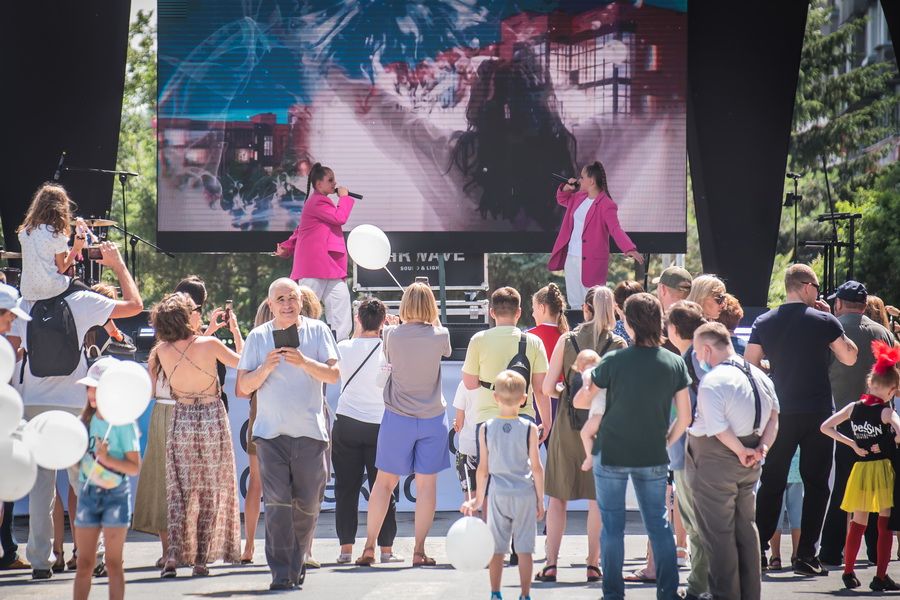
98, 507
792, 507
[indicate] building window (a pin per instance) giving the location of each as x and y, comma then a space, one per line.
268, 145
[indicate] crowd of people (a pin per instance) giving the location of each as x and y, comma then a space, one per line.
719, 435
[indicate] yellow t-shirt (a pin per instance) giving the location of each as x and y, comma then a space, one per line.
489, 353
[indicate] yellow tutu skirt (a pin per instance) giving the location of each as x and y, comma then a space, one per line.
870, 487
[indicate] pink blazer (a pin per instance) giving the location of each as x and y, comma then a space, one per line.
317, 244
601, 222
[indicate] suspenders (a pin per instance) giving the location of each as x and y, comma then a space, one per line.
745, 368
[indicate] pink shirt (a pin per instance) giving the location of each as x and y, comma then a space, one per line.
317, 244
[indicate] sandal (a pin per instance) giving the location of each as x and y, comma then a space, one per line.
200, 571
640, 576
161, 562
426, 561
594, 578
543, 577
58, 565
366, 560
169, 570
72, 563
775, 564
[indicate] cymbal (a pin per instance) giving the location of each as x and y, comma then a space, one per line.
98, 223
4, 254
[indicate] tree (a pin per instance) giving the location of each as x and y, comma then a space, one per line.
840, 114
879, 255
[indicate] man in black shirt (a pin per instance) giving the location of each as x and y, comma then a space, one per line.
799, 338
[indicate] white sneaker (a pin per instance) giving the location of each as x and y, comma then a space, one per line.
391, 558
343, 559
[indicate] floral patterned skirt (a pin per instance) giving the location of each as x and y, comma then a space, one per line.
201, 490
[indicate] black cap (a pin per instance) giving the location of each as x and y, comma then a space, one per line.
851, 291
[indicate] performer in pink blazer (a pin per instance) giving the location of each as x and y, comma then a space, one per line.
582, 247
318, 248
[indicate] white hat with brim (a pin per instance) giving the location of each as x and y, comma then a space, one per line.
9, 300
92, 379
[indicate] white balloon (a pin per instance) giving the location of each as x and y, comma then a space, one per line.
615, 52
57, 439
19, 469
11, 409
470, 544
123, 393
7, 360
369, 247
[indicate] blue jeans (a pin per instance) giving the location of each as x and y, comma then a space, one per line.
650, 487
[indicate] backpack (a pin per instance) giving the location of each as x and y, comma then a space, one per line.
53, 346
520, 364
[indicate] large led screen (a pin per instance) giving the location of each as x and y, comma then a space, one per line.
448, 116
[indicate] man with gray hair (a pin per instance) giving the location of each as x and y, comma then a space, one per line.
285, 361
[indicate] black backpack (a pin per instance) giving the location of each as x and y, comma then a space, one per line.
53, 346
520, 364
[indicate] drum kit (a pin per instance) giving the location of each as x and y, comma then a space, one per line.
87, 269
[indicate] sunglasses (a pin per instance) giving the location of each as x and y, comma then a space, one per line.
719, 298
197, 309
815, 285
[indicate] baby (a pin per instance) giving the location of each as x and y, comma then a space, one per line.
585, 362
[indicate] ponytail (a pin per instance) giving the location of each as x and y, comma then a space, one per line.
551, 297
596, 172
316, 174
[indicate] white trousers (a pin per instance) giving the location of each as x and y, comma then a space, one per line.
575, 290
335, 297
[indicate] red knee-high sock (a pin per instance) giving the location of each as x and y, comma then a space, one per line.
851, 547
885, 541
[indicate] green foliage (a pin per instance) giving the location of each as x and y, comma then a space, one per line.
879, 256
841, 115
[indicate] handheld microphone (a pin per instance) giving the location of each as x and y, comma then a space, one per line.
791, 175
62, 159
352, 195
563, 179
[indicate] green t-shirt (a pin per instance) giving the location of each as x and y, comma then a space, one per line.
489, 353
640, 384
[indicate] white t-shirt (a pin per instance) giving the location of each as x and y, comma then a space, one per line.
467, 400
725, 400
289, 402
89, 310
580, 215
362, 399
41, 278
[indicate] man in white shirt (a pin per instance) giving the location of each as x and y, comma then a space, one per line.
290, 431
736, 422
41, 394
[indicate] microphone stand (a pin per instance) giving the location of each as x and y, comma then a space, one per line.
123, 178
133, 239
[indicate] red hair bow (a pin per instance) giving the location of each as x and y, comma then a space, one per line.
886, 357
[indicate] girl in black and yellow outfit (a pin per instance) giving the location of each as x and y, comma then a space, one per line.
870, 488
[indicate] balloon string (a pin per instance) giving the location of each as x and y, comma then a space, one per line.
395, 279
87, 479
468, 483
